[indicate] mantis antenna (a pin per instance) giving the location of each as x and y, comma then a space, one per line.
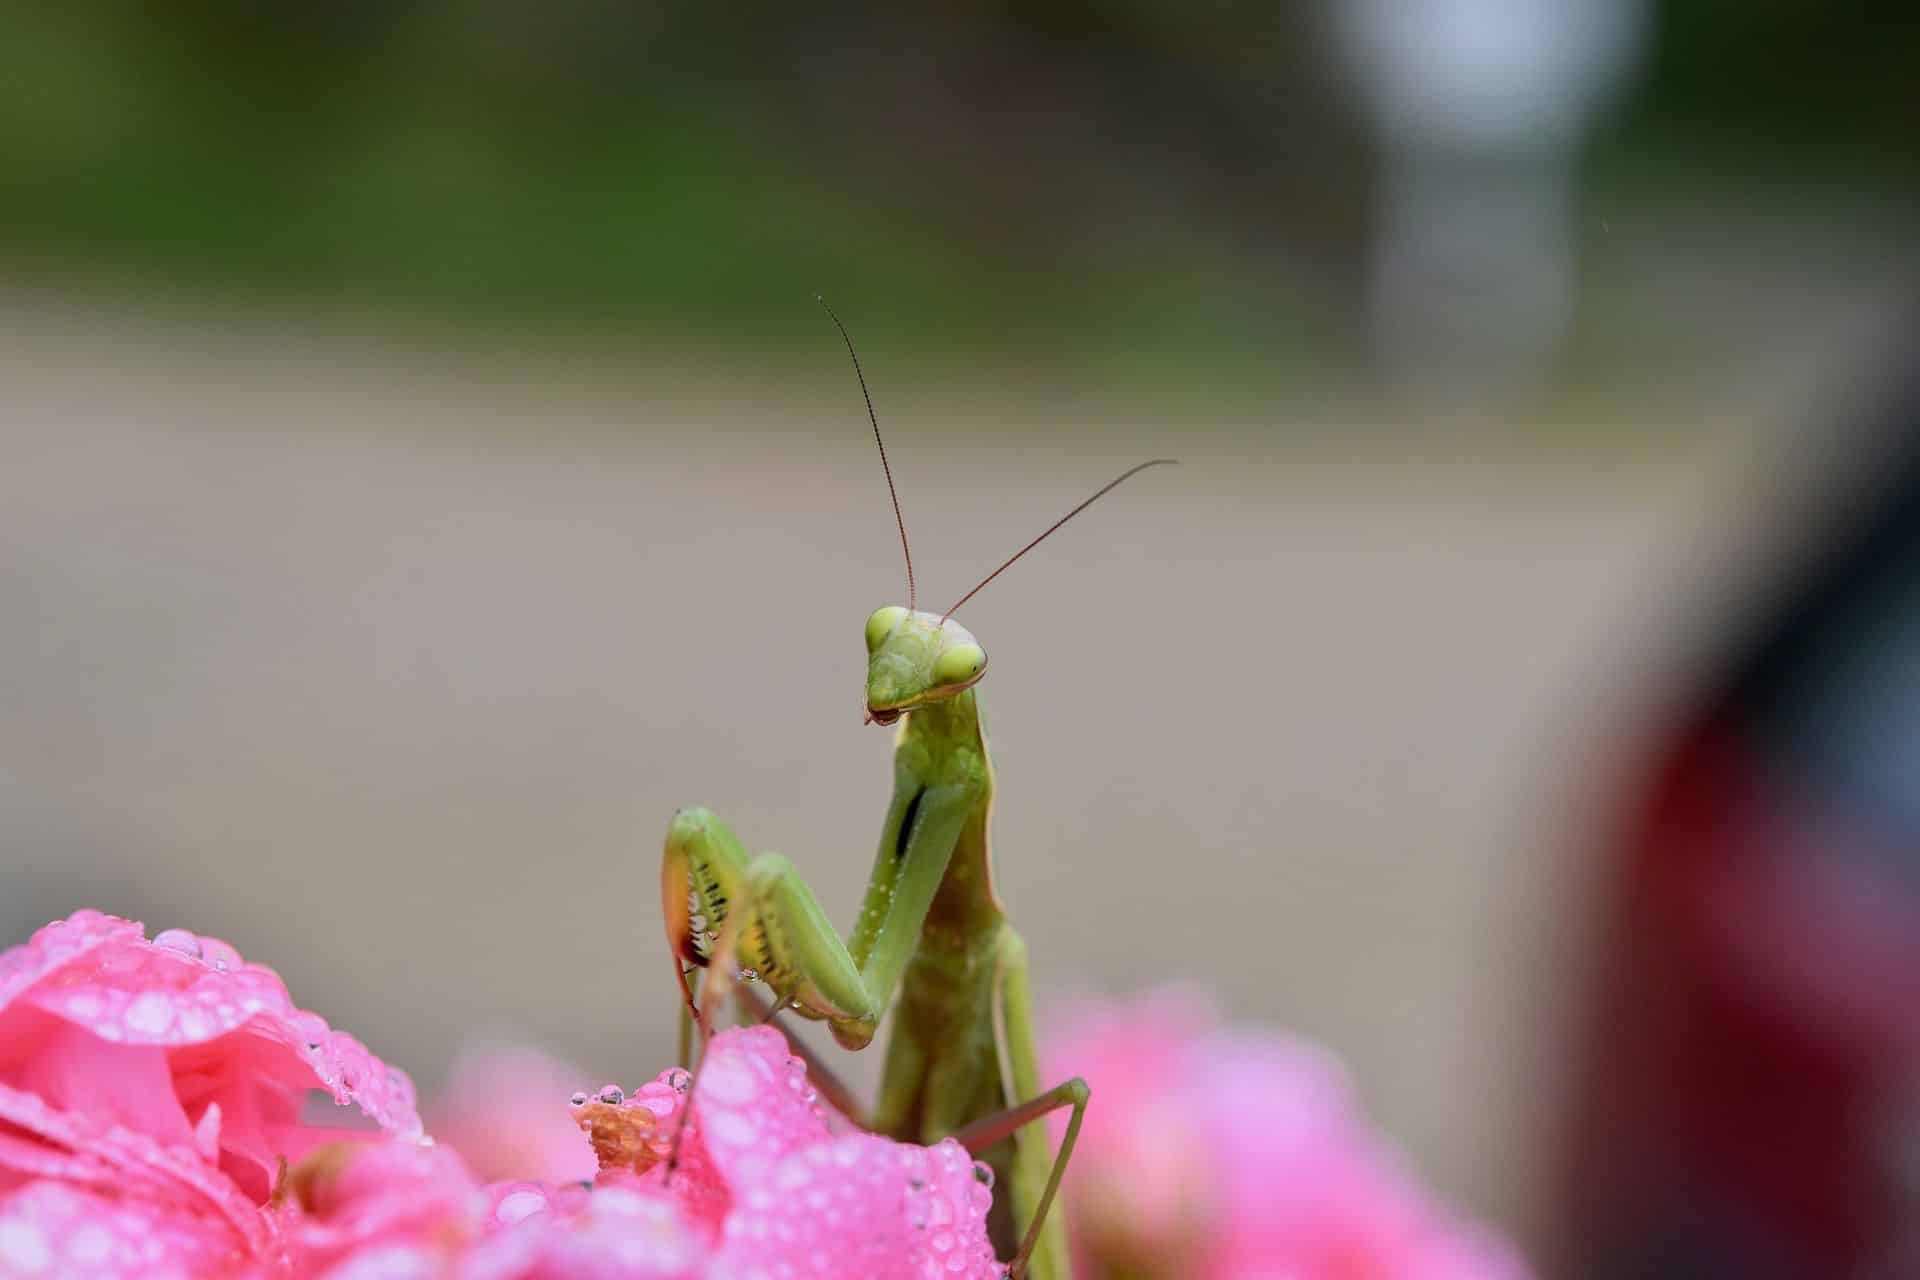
893, 493
1103, 491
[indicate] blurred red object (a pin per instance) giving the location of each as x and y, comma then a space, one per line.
1751, 1100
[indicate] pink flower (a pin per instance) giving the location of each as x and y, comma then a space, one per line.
763, 1185
380, 1210
1216, 1154
149, 1091
761, 1165
150, 1102
502, 1110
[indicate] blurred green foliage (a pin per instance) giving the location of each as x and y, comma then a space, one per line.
1185, 183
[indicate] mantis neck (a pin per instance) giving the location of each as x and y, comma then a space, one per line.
940, 728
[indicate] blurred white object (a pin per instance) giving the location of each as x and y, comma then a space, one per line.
1480, 106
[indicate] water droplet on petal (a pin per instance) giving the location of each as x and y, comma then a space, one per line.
612, 1094
516, 1205
983, 1173
728, 1080
731, 1128
178, 940
151, 1013
680, 1079
579, 1099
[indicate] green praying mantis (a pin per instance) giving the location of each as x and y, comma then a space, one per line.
932, 939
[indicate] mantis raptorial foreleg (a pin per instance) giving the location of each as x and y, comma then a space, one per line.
777, 929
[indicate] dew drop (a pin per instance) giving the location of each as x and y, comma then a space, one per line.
728, 1081
178, 940
680, 1079
151, 1013
983, 1173
520, 1204
579, 1099
612, 1094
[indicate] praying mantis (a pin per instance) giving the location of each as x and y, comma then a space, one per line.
932, 939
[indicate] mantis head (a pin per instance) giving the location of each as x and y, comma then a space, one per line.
915, 658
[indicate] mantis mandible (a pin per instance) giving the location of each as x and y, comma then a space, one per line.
931, 931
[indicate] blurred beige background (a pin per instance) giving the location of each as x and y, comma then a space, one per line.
389, 663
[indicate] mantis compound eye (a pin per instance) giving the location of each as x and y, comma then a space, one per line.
959, 664
881, 625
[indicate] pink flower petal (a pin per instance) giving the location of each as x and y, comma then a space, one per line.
140, 1166
751, 1105
1217, 1153
631, 1232
863, 1205
808, 1204
504, 1111
395, 1210
57, 1230
99, 973
366, 1201
159, 1035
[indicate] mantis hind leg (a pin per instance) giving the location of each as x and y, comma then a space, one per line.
1036, 1171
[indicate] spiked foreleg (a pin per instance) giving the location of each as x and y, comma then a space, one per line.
762, 915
